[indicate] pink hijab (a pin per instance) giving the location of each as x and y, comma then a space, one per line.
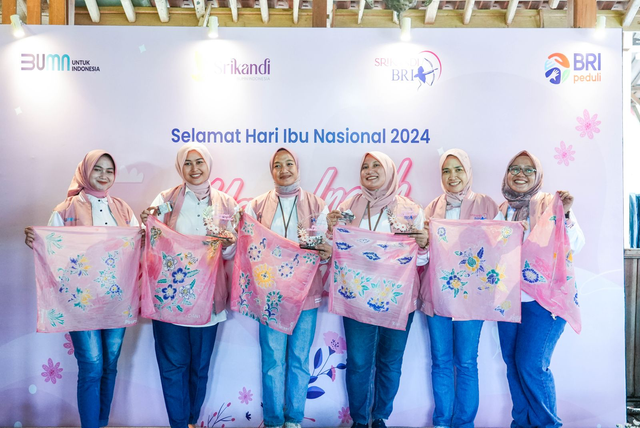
80, 180
201, 190
292, 189
76, 209
520, 201
454, 200
380, 198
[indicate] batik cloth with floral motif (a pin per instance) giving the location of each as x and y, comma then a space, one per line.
547, 266
86, 277
474, 269
372, 276
271, 276
178, 275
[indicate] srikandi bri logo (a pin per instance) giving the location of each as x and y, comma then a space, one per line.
55, 62
211, 66
421, 70
587, 68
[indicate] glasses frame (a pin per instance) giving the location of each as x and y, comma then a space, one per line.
522, 169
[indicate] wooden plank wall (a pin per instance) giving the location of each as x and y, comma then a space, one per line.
632, 323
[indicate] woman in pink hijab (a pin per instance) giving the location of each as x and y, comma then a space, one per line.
285, 358
454, 344
372, 348
88, 203
527, 347
184, 352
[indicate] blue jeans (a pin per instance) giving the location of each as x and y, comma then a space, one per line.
526, 350
286, 386
97, 353
369, 347
456, 394
184, 355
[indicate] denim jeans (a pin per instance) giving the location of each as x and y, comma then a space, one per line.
183, 355
526, 350
371, 347
456, 394
285, 370
97, 353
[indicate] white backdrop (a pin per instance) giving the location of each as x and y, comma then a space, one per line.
487, 94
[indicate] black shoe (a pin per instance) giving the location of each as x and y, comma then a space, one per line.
357, 425
378, 423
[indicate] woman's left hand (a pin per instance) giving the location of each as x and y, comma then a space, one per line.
422, 238
567, 200
231, 239
324, 251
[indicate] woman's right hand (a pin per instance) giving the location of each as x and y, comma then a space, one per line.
30, 235
146, 213
525, 224
332, 219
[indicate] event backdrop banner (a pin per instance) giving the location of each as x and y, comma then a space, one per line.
330, 95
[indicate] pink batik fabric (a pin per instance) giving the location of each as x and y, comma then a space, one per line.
372, 276
547, 266
474, 269
271, 276
178, 275
86, 277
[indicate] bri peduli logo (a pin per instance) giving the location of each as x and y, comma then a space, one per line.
55, 62
422, 69
587, 68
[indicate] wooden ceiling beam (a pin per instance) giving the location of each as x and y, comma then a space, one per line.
583, 13
296, 11
57, 12
319, 13
34, 12
264, 11
198, 5
9, 7
162, 6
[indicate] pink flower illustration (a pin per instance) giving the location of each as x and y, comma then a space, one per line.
68, 344
335, 343
245, 396
564, 154
589, 125
51, 372
344, 416
332, 373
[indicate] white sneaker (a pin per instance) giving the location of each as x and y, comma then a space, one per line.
292, 425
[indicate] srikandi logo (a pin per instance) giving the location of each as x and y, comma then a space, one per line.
55, 62
423, 69
587, 68
207, 66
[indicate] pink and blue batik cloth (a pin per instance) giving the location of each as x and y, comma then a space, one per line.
474, 269
179, 275
271, 276
86, 277
372, 276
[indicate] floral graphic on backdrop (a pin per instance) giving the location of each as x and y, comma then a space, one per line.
51, 372
588, 125
564, 154
218, 417
344, 416
245, 396
335, 345
68, 344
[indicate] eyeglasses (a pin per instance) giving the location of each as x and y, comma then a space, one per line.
516, 169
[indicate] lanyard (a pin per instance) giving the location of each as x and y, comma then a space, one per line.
369, 217
287, 222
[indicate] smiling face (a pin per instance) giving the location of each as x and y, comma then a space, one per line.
195, 170
372, 175
521, 183
454, 177
284, 170
103, 174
